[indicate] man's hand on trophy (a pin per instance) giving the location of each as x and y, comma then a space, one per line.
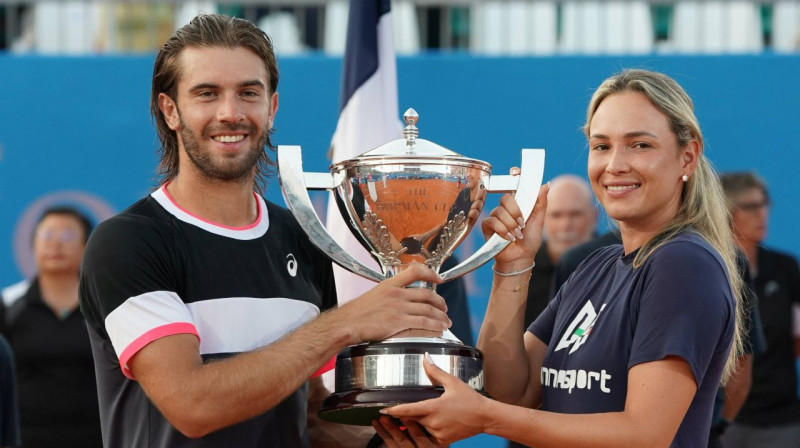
525, 233
390, 307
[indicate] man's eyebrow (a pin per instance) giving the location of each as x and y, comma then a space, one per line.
254, 82
209, 85
204, 85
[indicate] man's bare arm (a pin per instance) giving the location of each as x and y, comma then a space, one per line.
199, 398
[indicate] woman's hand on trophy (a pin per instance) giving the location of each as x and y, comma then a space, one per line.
390, 307
525, 233
413, 436
456, 415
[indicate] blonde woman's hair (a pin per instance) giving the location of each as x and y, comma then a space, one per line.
703, 206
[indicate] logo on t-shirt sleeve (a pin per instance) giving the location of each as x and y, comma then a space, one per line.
580, 328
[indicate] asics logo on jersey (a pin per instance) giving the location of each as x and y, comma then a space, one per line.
291, 266
580, 328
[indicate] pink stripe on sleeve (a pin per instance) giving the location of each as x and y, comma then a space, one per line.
150, 336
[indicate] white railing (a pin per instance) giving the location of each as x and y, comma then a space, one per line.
491, 27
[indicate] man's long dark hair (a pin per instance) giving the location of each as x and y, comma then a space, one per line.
205, 30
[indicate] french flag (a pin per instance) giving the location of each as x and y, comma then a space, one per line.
368, 117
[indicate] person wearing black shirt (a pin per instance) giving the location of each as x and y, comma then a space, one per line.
47, 332
208, 308
770, 416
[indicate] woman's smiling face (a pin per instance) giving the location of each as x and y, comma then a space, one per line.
635, 163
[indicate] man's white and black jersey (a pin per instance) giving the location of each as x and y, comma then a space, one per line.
156, 270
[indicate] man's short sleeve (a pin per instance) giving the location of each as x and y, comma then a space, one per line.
128, 289
685, 308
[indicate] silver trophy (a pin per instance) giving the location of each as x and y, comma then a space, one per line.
407, 201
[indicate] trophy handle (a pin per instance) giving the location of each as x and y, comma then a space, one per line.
295, 192
527, 186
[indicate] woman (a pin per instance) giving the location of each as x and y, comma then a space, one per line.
632, 348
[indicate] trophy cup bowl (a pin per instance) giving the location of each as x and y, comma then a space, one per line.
408, 201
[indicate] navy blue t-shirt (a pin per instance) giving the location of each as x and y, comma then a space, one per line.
609, 317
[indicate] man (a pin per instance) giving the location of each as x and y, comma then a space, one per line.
47, 332
202, 299
770, 415
570, 220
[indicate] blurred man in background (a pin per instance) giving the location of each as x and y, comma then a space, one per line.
770, 416
47, 332
571, 219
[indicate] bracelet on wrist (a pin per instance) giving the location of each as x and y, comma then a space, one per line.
513, 273
517, 288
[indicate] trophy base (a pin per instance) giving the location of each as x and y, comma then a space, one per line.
373, 376
361, 407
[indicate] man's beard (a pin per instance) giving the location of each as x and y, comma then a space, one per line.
229, 170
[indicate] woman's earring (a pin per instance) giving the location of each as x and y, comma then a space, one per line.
685, 178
